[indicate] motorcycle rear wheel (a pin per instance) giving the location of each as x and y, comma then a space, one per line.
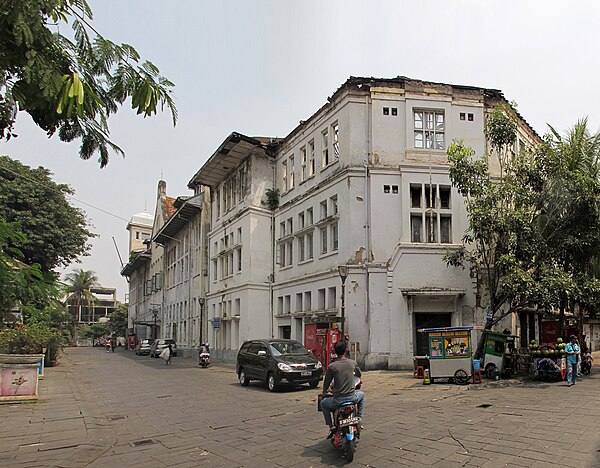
350, 451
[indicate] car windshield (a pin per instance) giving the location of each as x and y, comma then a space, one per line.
286, 347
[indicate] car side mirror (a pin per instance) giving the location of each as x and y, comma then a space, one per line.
262, 353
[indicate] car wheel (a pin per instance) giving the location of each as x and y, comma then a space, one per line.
271, 382
313, 384
244, 380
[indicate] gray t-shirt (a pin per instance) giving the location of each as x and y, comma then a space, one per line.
342, 373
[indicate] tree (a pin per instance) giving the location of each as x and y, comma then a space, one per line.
534, 230
56, 231
80, 282
20, 284
118, 321
71, 85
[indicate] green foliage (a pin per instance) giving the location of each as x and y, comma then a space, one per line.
95, 331
79, 285
534, 232
20, 283
56, 231
118, 322
272, 195
71, 86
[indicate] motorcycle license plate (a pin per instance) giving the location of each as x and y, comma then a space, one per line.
349, 422
306, 373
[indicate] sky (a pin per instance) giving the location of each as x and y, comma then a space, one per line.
258, 67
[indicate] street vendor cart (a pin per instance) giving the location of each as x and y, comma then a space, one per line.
499, 352
450, 353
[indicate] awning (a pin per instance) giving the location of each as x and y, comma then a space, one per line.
135, 263
179, 220
228, 156
433, 292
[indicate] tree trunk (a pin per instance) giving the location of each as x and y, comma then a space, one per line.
481, 342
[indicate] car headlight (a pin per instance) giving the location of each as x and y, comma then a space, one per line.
319, 365
284, 367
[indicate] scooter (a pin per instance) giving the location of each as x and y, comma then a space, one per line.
586, 363
204, 360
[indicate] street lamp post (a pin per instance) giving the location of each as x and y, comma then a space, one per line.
202, 301
154, 316
343, 272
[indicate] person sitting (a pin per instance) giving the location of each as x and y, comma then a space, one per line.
340, 375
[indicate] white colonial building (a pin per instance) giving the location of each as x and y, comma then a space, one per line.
363, 185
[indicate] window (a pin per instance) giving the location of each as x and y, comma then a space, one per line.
429, 129
284, 177
386, 111
298, 302
309, 245
321, 299
137, 234
462, 116
431, 217
470, 117
239, 259
325, 142
301, 248
218, 202
334, 236
334, 205
290, 226
331, 300
301, 220
336, 141
323, 209
280, 305
287, 304
282, 229
394, 111
309, 217
307, 301
311, 158
291, 172
303, 162
324, 240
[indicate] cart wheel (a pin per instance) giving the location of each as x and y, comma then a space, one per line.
461, 377
491, 371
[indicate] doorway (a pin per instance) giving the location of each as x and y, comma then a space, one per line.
427, 320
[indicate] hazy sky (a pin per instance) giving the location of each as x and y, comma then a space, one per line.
259, 67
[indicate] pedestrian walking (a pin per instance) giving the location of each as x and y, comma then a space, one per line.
572, 350
166, 354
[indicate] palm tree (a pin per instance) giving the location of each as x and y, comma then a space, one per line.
79, 285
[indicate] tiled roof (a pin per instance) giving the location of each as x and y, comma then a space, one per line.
170, 202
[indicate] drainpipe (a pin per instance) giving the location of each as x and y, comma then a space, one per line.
368, 219
273, 255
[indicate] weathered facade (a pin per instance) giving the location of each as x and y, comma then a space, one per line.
183, 277
362, 184
144, 270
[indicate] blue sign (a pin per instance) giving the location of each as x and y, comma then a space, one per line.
216, 323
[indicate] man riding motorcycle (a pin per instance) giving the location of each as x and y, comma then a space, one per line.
204, 354
341, 374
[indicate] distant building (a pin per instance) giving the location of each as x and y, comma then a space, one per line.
105, 302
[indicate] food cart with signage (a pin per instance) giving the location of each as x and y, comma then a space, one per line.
498, 353
450, 353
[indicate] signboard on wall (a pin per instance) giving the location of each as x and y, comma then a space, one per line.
217, 323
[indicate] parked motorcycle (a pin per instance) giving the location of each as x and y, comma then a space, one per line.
586, 363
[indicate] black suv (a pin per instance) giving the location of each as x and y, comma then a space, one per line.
278, 363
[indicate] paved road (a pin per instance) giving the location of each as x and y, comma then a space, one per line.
119, 410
